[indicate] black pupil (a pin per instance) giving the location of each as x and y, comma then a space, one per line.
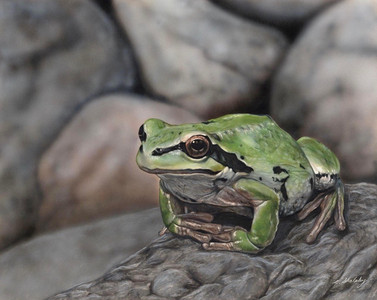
198, 145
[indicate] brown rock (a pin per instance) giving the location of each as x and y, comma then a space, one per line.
53, 55
327, 88
199, 56
282, 13
90, 170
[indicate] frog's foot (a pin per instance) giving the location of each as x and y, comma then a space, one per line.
199, 226
229, 246
265, 203
199, 216
328, 202
163, 231
196, 226
205, 217
232, 239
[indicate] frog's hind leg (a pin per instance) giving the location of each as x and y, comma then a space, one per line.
328, 202
264, 225
330, 188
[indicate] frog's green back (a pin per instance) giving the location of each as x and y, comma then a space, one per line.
257, 140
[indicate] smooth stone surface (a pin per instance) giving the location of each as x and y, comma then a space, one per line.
52, 262
90, 170
336, 266
281, 13
199, 56
327, 88
54, 55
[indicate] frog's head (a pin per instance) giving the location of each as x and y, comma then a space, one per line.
176, 149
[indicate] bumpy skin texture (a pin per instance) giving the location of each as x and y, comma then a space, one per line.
244, 164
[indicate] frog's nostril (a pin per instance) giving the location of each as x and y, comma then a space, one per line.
142, 134
141, 149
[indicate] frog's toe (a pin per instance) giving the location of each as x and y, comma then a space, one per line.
309, 207
184, 231
201, 237
163, 231
197, 225
233, 239
330, 202
340, 222
327, 208
230, 246
226, 235
223, 237
199, 216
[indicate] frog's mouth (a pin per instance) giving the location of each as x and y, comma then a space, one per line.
181, 172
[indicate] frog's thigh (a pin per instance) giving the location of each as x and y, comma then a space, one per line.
319, 155
266, 215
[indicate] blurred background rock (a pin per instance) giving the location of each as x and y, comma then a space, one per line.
78, 77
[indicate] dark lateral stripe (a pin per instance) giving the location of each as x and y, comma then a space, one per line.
225, 158
161, 151
229, 159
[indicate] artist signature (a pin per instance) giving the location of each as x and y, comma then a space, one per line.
358, 280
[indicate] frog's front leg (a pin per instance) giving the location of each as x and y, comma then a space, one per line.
265, 221
186, 224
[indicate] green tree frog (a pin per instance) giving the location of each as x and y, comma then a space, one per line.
239, 165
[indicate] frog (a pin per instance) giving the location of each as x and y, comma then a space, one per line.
242, 165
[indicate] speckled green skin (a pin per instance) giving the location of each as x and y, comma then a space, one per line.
252, 162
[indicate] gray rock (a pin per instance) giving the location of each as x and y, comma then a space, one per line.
172, 283
336, 266
282, 13
90, 170
55, 261
327, 88
54, 55
199, 56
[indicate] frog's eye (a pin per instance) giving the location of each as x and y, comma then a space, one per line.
197, 146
